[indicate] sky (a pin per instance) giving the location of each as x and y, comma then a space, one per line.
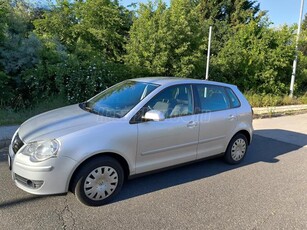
279, 11
283, 11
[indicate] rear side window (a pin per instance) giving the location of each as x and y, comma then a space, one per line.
233, 98
212, 98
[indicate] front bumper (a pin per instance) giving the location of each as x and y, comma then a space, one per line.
41, 178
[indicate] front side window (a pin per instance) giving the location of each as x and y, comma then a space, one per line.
118, 100
174, 101
212, 98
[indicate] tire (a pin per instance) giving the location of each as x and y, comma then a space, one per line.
236, 149
98, 181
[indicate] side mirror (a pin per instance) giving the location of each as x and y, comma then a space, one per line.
154, 115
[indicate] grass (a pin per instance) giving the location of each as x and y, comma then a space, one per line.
13, 117
258, 100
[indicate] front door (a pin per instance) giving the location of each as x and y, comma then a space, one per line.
174, 140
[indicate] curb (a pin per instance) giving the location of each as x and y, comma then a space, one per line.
276, 111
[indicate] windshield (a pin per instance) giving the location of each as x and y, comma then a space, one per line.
118, 100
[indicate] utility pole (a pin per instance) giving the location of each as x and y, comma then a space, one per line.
208, 53
296, 50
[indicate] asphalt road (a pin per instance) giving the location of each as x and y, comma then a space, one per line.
267, 191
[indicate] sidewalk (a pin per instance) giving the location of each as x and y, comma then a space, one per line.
288, 129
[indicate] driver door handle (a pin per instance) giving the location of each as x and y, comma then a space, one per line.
192, 124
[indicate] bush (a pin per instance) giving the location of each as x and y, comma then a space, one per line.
76, 79
303, 99
264, 100
6, 91
80, 80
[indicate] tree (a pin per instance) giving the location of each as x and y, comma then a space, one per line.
103, 25
94, 26
301, 78
167, 41
19, 48
234, 12
4, 11
187, 40
59, 23
147, 46
257, 58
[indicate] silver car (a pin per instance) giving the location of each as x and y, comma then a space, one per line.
136, 126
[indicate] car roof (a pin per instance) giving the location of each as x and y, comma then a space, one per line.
178, 80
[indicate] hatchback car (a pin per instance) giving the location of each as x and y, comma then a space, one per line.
136, 126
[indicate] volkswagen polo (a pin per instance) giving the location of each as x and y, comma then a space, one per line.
136, 126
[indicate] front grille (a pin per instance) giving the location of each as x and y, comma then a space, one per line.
17, 143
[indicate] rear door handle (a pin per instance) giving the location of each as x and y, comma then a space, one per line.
231, 117
192, 124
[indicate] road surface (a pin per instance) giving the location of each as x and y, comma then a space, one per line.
267, 191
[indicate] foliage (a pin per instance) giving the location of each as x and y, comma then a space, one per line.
59, 23
6, 91
264, 100
74, 49
20, 53
74, 79
145, 47
4, 10
301, 76
19, 50
103, 25
256, 58
232, 12
100, 26
186, 40
166, 41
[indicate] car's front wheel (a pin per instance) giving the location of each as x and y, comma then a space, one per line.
98, 181
236, 149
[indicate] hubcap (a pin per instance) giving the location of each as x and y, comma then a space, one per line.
101, 183
238, 149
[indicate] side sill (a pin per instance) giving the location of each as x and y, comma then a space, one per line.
131, 177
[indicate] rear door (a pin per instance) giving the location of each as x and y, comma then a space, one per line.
216, 119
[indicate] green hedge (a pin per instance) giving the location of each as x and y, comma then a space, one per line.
74, 79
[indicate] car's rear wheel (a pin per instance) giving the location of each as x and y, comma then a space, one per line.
98, 181
236, 149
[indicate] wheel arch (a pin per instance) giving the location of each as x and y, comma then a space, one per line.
246, 134
123, 162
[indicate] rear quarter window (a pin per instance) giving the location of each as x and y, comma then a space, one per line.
234, 101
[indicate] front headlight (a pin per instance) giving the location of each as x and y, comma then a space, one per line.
41, 150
